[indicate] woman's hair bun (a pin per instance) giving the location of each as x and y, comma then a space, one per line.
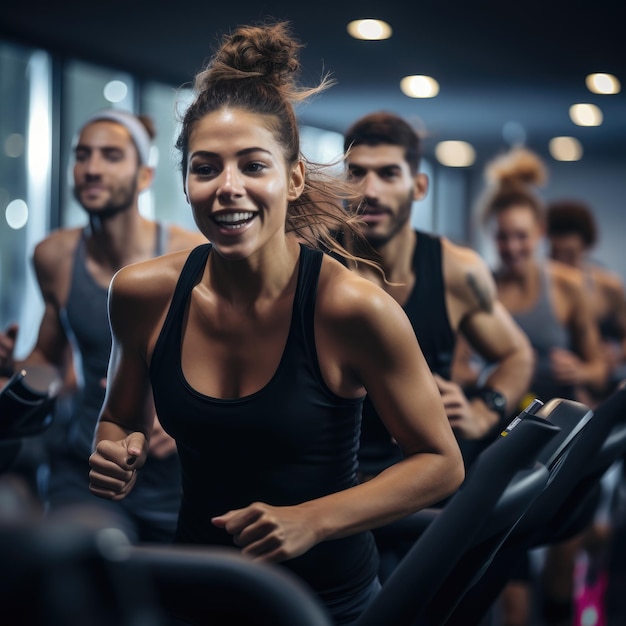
267, 52
518, 165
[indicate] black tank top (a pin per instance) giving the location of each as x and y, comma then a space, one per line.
291, 441
426, 309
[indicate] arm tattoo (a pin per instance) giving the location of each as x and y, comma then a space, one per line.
482, 295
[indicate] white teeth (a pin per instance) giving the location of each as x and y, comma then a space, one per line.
231, 218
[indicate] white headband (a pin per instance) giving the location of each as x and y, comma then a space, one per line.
136, 129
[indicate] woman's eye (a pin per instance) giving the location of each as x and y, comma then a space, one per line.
255, 167
203, 170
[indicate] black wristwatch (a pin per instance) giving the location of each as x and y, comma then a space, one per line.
494, 400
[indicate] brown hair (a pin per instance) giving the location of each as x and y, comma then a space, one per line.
255, 69
572, 217
383, 128
512, 179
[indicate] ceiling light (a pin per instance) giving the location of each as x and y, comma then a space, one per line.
565, 149
115, 90
372, 30
603, 83
585, 114
455, 153
419, 86
16, 214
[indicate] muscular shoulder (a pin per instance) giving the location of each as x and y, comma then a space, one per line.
140, 294
347, 301
52, 259
57, 246
467, 277
183, 239
149, 279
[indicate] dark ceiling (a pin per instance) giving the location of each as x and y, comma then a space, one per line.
497, 62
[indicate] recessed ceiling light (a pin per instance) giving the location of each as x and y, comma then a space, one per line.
369, 29
603, 83
585, 114
115, 90
16, 214
455, 153
419, 86
565, 149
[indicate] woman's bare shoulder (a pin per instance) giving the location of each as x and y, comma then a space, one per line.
565, 276
150, 278
344, 296
360, 323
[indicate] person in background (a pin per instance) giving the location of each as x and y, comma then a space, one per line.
445, 289
548, 300
74, 266
259, 349
546, 297
573, 235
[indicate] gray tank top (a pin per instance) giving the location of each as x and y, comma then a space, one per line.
86, 323
545, 332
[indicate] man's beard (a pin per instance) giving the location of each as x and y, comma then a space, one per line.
397, 223
121, 201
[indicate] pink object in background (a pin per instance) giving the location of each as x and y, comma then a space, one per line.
589, 594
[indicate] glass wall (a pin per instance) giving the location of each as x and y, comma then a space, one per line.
25, 159
166, 105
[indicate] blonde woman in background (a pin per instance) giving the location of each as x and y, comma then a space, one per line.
549, 302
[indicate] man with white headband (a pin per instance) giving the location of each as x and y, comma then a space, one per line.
74, 267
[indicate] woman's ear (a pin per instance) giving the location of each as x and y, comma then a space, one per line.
296, 181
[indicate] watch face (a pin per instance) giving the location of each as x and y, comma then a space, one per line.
498, 400
494, 399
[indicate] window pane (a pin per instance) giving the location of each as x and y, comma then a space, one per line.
166, 105
25, 141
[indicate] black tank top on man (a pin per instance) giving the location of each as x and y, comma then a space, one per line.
291, 441
428, 314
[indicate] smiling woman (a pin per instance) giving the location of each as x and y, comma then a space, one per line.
259, 348
548, 300
235, 181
